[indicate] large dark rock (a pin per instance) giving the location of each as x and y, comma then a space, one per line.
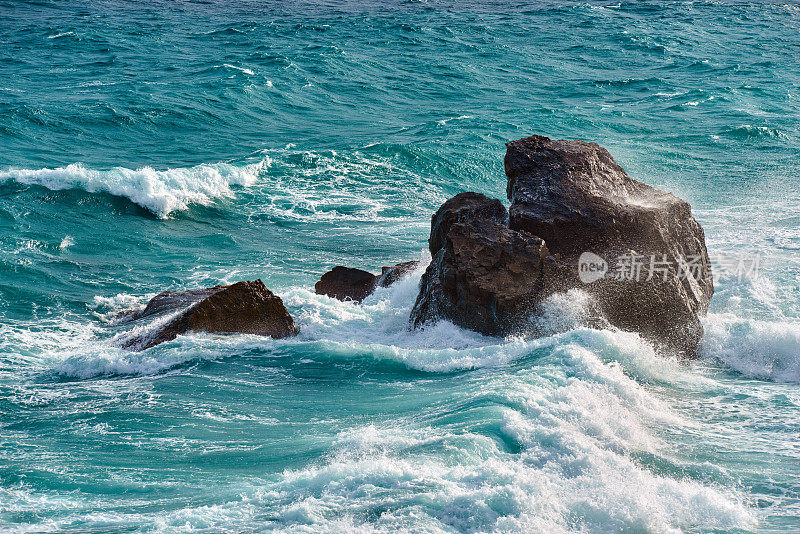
485, 277
574, 197
244, 307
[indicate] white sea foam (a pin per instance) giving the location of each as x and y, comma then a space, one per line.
575, 421
328, 186
759, 349
118, 302
567, 425
66, 242
58, 35
575, 416
459, 118
160, 191
108, 360
240, 69
379, 328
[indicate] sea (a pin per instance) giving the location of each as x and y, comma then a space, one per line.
167, 145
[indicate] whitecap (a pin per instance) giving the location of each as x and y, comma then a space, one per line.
63, 34
160, 191
240, 69
756, 348
66, 242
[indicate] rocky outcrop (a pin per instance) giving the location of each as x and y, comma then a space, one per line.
244, 307
642, 253
485, 277
463, 207
347, 283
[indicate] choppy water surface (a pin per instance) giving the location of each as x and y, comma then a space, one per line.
168, 145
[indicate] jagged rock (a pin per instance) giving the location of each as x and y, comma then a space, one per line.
485, 277
390, 275
463, 207
574, 197
345, 283
244, 307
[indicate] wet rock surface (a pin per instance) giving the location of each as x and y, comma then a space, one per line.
347, 283
244, 307
390, 275
569, 201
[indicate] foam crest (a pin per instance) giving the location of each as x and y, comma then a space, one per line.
758, 349
160, 191
573, 471
560, 460
95, 359
379, 326
562, 312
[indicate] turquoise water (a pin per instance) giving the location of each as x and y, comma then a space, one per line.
169, 145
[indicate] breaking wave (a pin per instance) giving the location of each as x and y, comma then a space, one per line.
160, 191
758, 349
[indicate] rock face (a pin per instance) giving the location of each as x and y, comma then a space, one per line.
463, 207
646, 269
244, 307
485, 278
346, 283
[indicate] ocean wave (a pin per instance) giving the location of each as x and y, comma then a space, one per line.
160, 191
243, 70
566, 437
547, 448
554, 453
374, 184
755, 348
377, 329
572, 473
556, 445
62, 34
748, 131
102, 359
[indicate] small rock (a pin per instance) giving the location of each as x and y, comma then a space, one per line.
244, 307
390, 275
345, 283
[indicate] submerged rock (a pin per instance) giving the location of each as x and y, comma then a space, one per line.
244, 308
347, 283
395, 273
576, 221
